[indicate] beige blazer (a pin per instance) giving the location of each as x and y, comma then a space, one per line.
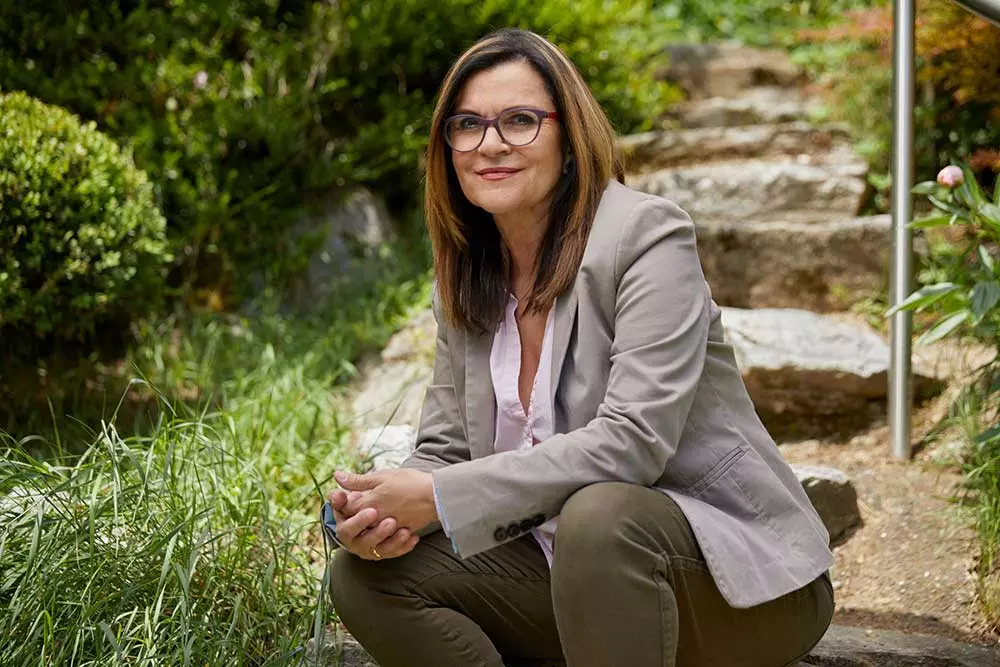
645, 390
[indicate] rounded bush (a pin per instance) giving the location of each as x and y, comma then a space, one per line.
82, 242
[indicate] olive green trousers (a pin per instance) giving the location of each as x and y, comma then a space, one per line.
629, 587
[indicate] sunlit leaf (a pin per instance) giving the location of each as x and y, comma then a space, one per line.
943, 328
985, 257
924, 297
984, 297
933, 221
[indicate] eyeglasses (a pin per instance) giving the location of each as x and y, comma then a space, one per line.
518, 126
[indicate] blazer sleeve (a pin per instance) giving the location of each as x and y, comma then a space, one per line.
661, 322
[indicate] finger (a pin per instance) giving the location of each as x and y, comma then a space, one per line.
349, 529
395, 544
337, 498
411, 544
376, 535
355, 503
355, 482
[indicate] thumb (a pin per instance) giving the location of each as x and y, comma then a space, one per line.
355, 482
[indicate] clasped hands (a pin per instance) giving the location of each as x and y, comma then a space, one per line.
378, 514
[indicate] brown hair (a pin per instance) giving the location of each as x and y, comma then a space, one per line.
469, 261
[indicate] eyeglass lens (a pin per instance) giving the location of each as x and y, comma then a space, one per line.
517, 128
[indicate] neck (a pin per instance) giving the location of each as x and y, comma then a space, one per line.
523, 235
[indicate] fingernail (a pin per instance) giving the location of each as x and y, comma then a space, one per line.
339, 476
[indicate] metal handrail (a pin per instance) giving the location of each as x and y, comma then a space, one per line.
901, 326
987, 9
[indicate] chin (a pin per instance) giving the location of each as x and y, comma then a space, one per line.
497, 200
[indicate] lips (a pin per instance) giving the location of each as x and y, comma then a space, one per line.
497, 173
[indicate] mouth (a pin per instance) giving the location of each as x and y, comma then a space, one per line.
497, 173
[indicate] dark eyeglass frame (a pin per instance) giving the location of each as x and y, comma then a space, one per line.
486, 123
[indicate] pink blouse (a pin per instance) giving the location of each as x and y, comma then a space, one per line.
515, 429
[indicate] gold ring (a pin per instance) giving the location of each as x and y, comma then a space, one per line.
375, 553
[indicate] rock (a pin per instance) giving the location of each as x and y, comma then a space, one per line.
651, 151
761, 191
757, 106
841, 646
844, 646
834, 497
393, 385
824, 267
350, 228
810, 374
726, 69
387, 447
337, 649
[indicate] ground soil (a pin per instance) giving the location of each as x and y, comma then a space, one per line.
911, 565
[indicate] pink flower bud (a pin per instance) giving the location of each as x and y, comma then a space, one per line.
200, 80
950, 176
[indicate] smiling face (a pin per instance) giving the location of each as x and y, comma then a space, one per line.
505, 180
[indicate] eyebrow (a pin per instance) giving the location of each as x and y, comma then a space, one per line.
469, 112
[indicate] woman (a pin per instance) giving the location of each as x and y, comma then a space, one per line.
607, 493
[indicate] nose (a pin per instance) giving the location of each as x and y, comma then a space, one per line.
492, 143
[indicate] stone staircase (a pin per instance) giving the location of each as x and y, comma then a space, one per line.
776, 203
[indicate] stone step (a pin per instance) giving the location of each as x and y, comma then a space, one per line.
844, 646
727, 69
762, 105
836, 500
652, 151
841, 646
822, 267
809, 375
762, 190
812, 375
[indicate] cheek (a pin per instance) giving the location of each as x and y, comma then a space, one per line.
466, 177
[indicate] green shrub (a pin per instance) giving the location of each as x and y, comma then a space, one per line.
956, 110
242, 112
960, 287
761, 22
81, 240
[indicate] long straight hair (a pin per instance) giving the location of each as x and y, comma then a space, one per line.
470, 264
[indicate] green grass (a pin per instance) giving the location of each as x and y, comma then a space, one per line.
188, 536
977, 413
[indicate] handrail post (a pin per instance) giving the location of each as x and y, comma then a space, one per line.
900, 382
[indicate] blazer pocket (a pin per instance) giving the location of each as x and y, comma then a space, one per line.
717, 471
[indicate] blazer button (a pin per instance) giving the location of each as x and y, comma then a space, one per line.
538, 519
500, 534
513, 530
526, 525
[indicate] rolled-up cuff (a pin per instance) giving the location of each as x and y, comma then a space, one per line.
441, 519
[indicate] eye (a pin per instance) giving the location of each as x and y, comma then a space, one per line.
465, 123
520, 118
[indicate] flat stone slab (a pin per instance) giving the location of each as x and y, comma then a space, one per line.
804, 370
833, 495
822, 267
652, 151
387, 447
726, 69
842, 646
391, 391
757, 106
761, 191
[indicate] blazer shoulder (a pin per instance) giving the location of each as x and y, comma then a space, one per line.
625, 217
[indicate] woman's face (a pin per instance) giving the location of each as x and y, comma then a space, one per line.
509, 180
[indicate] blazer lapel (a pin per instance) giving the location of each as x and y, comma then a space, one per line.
480, 401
